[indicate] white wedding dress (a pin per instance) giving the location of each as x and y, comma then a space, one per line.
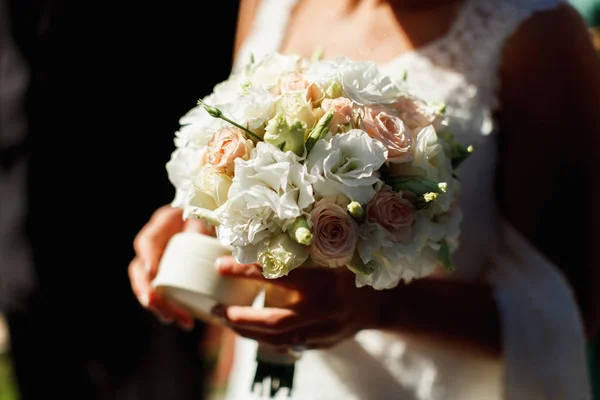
543, 339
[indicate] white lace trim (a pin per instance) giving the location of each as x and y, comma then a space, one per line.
467, 60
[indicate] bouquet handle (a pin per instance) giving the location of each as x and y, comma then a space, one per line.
187, 276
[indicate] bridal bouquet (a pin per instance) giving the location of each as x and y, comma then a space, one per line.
327, 163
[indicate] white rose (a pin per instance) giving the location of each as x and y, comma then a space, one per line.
196, 134
197, 126
386, 273
210, 189
414, 259
182, 169
361, 81
267, 70
246, 220
268, 193
347, 163
280, 255
390, 267
251, 105
282, 173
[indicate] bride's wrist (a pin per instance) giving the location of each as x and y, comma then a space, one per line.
391, 308
374, 308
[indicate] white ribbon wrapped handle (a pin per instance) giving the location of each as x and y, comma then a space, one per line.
187, 276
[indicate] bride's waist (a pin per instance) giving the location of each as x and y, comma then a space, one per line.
380, 344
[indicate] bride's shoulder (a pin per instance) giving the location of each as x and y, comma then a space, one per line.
549, 49
544, 30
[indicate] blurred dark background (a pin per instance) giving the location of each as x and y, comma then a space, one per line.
108, 82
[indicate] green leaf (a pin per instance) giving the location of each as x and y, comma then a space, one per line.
357, 266
320, 130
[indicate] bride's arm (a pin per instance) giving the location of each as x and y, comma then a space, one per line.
550, 121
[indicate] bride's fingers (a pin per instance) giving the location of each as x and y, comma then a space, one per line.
227, 265
148, 298
173, 313
140, 285
318, 336
150, 242
268, 320
138, 278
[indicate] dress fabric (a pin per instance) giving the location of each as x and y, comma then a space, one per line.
543, 339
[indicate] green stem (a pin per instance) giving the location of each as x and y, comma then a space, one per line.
216, 113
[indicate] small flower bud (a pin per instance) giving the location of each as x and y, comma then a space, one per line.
300, 231
356, 210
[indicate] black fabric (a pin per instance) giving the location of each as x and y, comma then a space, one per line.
109, 83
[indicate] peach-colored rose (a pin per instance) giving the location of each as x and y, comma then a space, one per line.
343, 108
314, 93
393, 212
293, 82
416, 114
383, 124
335, 234
224, 147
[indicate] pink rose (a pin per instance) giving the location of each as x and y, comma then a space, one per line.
343, 109
382, 124
224, 147
297, 82
335, 234
293, 82
393, 212
416, 114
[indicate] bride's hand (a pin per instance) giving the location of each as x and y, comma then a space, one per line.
325, 307
149, 245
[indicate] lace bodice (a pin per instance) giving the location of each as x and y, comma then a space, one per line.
460, 70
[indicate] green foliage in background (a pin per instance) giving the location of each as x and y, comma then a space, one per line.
8, 390
589, 9
594, 358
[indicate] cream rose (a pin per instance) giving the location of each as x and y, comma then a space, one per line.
393, 212
343, 108
210, 188
335, 233
280, 255
295, 107
293, 82
225, 146
383, 124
